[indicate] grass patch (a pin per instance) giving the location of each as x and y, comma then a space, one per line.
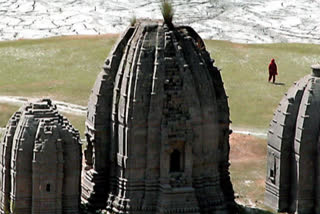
167, 11
133, 20
248, 171
248, 179
77, 122
65, 68
6, 111
252, 99
62, 68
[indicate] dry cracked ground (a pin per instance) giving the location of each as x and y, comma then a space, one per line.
244, 21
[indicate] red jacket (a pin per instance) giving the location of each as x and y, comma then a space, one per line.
273, 68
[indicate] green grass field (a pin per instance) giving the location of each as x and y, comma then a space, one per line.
65, 69
252, 99
61, 68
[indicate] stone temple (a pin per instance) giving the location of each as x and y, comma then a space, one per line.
293, 168
40, 165
158, 127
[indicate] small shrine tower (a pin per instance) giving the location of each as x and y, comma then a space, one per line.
40, 165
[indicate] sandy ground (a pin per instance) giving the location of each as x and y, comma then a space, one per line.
243, 21
245, 148
248, 159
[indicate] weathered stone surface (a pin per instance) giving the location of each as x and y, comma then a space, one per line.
40, 164
293, 154
158, 127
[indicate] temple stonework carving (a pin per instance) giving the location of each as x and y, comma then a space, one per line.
292, 183
158, 127
40, 164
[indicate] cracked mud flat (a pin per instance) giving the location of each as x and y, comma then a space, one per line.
244, 21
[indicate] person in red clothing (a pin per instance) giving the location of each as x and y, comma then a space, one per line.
273, 71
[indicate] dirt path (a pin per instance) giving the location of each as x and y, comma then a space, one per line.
81, 111
250, 132
62, 106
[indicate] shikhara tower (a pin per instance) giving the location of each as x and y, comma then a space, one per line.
293, 169
158, 126
40, 164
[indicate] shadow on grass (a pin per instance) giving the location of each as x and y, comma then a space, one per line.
249, 210
279, 83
